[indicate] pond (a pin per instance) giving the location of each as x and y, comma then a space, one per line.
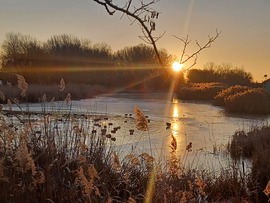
207, 127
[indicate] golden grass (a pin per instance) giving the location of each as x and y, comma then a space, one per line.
55, 161
141, 121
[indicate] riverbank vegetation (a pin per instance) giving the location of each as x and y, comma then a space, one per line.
234, 99
254, 146
231, 88
95, 68
68, 157
243, 99
79, 62
200, 91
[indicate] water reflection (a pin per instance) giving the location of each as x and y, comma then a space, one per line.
175, 111
175, 115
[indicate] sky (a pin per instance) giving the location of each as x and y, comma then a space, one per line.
244, 24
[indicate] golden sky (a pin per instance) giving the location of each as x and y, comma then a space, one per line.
245, 26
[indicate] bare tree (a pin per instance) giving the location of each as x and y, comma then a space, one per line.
142, 12
200, 47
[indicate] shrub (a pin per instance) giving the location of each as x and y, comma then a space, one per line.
254, 145
251, 101
200, 91
223, 73
219, 99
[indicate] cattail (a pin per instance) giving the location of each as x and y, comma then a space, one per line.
22, 84
173, 143
62, 85
141, 121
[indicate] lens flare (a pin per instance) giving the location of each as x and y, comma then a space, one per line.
177, 66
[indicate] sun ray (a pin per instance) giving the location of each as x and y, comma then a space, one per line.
188, 17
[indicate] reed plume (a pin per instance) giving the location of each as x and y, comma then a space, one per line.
2, 96
141, 121
115, 161
24, 159
68, 98
133, 159
22, 84
62, 85
173, 143
267, 190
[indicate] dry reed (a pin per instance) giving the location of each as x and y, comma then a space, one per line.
141, 121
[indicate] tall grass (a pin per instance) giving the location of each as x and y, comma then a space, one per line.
66, 157
242, 99
254, 145
200, 91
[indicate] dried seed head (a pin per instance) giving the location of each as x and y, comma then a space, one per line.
133, 159
62, 85
24, 158
173, 143
81, 159
44, 98
267, 189
68, 98
2, 96
148, 159
116, 162
141, 121
92, 172
22, 84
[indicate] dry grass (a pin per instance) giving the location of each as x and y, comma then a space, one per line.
55, 157
243, 99
200, 91
35, 93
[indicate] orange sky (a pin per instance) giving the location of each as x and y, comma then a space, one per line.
245, 27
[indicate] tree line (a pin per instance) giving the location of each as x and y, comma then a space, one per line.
224, 73
77, 60
82, 61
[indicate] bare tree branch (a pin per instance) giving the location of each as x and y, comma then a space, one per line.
141, 11
143, 14
194, 55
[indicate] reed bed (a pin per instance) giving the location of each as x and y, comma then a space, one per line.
65, 157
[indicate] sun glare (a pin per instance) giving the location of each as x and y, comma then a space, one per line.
177, 66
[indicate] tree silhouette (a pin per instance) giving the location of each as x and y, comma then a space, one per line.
142, 12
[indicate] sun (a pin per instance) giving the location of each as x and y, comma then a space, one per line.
177, 66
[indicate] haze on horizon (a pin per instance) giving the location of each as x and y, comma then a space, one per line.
244, 41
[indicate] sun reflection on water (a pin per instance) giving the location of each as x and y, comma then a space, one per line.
175, 114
